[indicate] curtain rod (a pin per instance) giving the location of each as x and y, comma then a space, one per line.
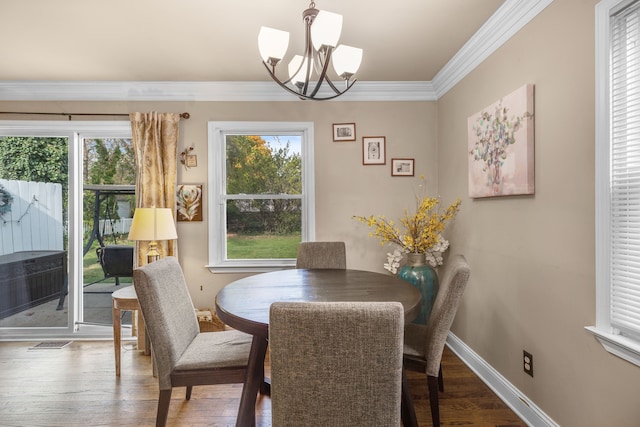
182, 115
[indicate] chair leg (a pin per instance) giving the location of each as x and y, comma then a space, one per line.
188, 397
440, 380
407, 411
432, 383
265, 388
163, 408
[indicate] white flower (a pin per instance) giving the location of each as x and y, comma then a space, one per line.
434, 255
393, 261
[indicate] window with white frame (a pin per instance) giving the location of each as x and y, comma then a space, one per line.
261, 194
618, 178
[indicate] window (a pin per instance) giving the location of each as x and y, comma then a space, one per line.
261, 201
618, 178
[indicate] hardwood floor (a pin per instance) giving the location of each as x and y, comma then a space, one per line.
77, 386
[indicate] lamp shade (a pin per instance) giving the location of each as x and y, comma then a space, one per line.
326, 29
153, 224
272, 43
298, 69
346, 60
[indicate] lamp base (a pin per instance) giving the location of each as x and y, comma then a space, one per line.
152, 253
152, 258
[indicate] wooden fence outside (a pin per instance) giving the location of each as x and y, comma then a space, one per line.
35, 221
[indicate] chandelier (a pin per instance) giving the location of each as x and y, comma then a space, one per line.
308, 72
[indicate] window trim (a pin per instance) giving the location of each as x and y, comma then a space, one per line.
217, 174
622, 346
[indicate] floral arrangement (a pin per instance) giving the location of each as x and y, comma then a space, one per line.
422, 231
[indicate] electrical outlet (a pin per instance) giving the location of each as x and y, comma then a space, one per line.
527, 362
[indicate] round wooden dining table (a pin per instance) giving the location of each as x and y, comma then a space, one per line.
244, 305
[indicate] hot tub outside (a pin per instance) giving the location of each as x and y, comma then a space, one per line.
30, 278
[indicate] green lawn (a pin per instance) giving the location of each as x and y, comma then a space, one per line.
238, 247
262, 246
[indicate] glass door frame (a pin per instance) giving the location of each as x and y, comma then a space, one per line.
75, 132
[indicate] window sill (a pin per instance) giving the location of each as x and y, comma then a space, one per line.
618, 345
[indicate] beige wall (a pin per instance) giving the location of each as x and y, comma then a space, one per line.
344, 187
532, 257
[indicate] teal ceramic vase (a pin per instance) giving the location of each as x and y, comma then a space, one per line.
424, 277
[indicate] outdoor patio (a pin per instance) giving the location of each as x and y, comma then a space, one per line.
97, 309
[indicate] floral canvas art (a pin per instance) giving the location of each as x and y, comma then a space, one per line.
189, 201
501, 156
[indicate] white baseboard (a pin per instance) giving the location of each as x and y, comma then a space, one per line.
510, 395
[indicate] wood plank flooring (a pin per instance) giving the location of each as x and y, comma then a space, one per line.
77, 386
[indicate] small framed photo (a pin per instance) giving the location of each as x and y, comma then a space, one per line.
373, 150
191, 161
402, 167
344, 131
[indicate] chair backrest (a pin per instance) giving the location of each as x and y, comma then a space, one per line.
168, 313
453, 281
321, 255
336, 364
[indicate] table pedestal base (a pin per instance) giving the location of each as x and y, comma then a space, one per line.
255, 379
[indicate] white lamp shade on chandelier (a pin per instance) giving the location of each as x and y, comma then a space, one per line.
326, 30
307, 72
346, 60
273, 44
297, 69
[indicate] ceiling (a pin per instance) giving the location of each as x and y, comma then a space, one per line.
212, 40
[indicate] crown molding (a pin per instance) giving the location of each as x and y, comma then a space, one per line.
510, 18
504, 23
198, 91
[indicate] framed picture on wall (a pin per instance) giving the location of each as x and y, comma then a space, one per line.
344, 131
189, 202
500, 146
402, 167
374, 150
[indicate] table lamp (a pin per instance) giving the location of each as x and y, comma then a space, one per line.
152, 224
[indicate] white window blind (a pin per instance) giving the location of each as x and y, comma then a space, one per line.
625, 172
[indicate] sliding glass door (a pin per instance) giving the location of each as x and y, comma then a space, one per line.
52, 231
34, 235
108, 202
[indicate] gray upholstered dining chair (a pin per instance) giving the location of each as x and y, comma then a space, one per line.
321, 255
183, 355
336, 363
424, 344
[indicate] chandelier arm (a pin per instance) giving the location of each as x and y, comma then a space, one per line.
307, 75
323, 74
333, 87
326, 98
284, 86
272, 73
308, 55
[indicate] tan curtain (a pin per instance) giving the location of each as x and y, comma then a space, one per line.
155, 141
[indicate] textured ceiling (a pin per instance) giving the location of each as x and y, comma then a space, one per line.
213, 40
